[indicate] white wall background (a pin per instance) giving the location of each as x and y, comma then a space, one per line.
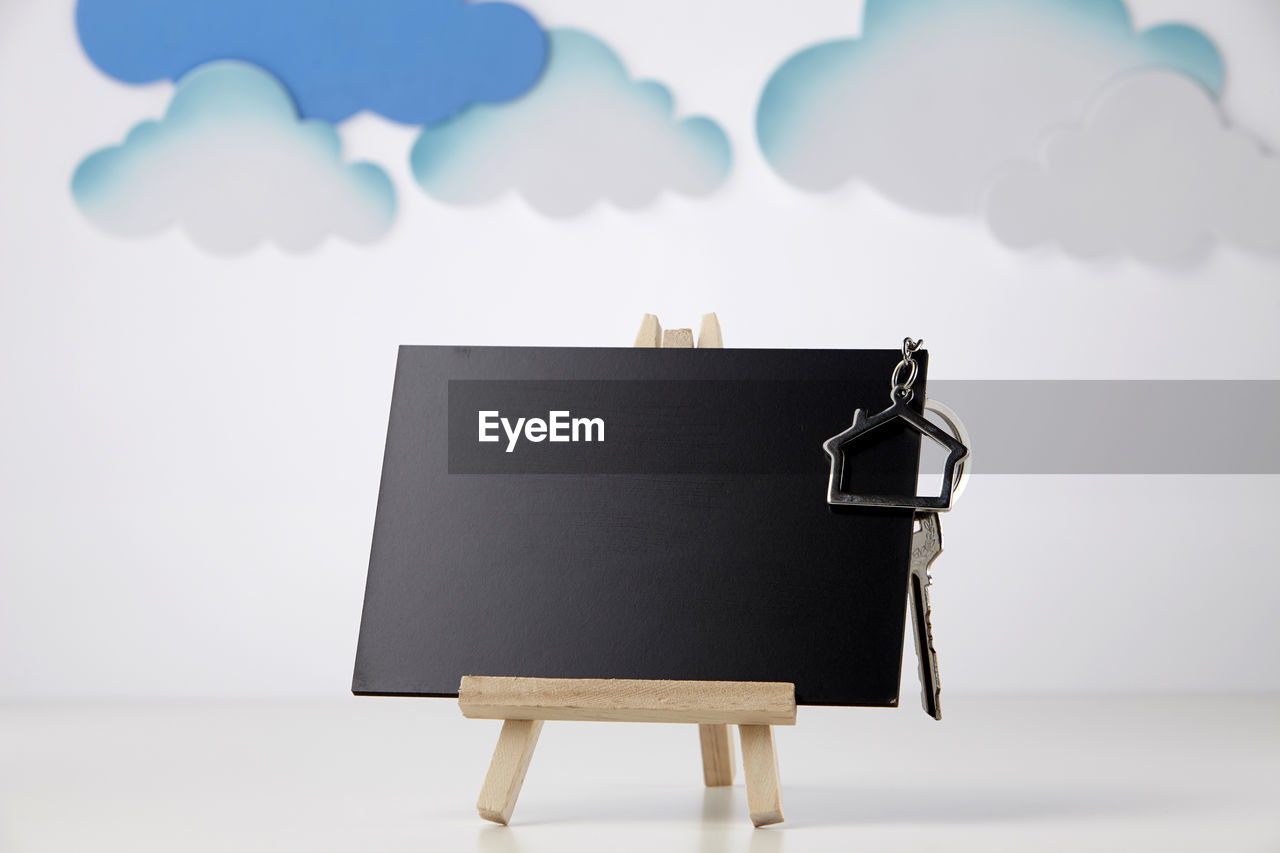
190, 445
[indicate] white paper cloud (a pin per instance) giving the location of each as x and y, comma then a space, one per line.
1153, 172
585, 133
936, 95
231, 164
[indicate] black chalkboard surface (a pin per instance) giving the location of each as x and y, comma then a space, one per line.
636, 513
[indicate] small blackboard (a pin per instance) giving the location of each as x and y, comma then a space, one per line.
636, 513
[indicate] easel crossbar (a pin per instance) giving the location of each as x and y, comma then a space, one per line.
755, 703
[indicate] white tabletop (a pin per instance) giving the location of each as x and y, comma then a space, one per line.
1072, 774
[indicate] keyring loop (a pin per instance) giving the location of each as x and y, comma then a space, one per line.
901, 391
953, 422
910, 364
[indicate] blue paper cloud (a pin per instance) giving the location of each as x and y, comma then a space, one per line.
587, 132
412, 61
935, 95
233, 166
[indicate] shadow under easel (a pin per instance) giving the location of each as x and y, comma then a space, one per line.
725, 828
725, 823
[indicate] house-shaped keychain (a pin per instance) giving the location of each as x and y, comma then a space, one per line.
926, 540
863, 426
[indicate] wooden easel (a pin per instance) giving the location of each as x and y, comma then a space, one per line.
525, 703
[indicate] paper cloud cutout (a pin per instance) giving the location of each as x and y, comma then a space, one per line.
1154, 173
937, 94
232, 165
587, 132
412, 61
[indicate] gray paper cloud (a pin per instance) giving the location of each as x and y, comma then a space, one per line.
1153, 172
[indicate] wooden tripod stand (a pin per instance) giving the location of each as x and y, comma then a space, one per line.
525, 703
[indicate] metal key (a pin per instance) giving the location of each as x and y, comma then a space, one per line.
926, 545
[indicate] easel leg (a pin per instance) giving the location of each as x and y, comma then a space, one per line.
760, 768
510, 762
717, 755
